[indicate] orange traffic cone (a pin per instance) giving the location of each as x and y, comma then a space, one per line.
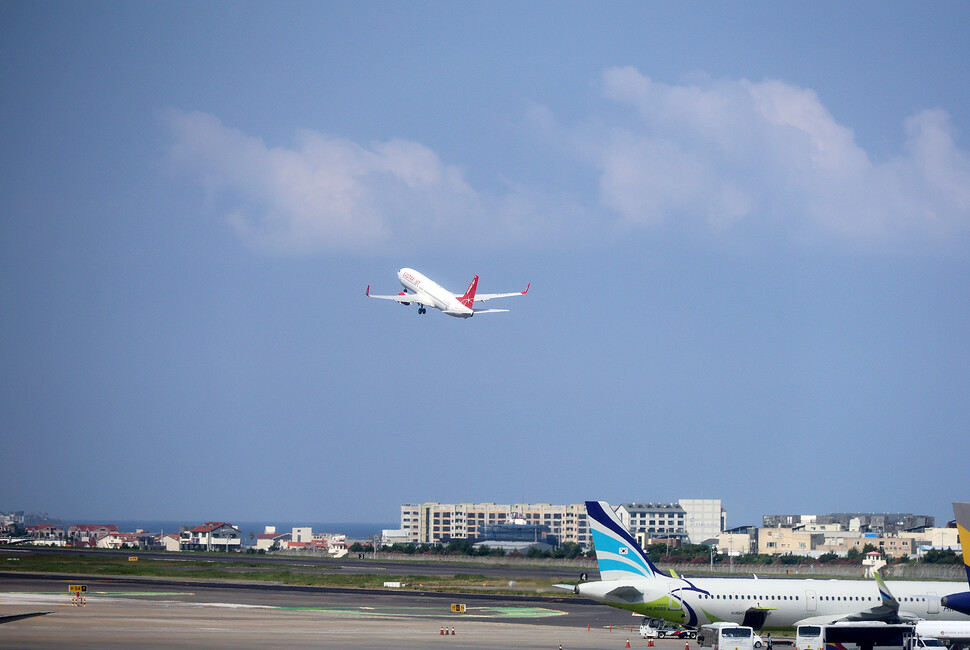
452, 631
628, 643
686, 645
441, 632
650, 643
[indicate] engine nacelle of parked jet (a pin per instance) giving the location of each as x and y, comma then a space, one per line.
958, 602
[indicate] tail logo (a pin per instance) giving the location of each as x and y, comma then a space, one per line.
468, 299
617, 553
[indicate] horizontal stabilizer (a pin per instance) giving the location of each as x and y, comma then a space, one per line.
628, 593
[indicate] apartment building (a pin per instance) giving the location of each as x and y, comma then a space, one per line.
439, 523
654, 520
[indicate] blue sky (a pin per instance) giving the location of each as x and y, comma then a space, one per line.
746, 227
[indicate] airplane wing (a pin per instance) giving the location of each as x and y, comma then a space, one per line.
10, 618
404, 298
482, 297
886, 611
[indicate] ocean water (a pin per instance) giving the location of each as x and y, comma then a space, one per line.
355, 531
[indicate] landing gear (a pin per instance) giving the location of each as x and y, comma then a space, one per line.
422, 310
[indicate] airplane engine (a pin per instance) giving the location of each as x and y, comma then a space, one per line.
959, 602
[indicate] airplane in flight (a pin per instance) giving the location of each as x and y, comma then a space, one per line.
428, 293
629, 580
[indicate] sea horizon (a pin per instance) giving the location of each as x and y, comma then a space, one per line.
353, 530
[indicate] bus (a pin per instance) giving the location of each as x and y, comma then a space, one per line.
726, 636
853, 636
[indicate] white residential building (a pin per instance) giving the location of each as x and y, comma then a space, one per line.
210, 536
436, 523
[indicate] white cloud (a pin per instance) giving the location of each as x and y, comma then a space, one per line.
711, 158
324, 194
722, 153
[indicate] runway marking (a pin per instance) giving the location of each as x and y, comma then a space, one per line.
103, 593
434, 612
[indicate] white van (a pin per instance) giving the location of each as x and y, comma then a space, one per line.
726, 636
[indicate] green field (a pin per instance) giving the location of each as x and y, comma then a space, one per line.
202, 567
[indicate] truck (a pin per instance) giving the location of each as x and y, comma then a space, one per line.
917, 642
954, 634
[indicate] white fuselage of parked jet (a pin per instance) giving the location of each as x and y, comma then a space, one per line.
785, 601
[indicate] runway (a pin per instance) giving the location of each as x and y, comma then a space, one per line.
131, 612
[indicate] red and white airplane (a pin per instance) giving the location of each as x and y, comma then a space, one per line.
428, 293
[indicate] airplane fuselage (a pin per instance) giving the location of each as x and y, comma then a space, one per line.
700, 601
441, 298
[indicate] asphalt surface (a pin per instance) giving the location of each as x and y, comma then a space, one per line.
128, 612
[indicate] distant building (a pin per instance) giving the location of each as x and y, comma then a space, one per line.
210, 536
654, 520
934, 537
781, 541
439, 523
874, 522
390, 536
696, 520
269, 539
88, 534
118, 540
704, 519
737, 543
47, 535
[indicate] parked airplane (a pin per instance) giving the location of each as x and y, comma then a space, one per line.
629, 580
428, 293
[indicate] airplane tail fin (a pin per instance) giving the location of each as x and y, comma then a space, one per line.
960, 602
617, 553
469, 298
962, 513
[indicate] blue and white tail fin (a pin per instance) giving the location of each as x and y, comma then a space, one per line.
617, 553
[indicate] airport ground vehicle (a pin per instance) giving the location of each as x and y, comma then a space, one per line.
726, 636
955, 634
657, 628
917, 642
854, 636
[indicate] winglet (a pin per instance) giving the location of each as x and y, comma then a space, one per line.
527, 289
367, 293
885, 595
